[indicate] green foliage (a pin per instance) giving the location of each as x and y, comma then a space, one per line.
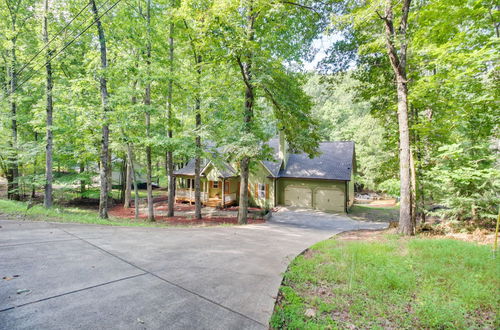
390, 187
396, 283
467, 182
453, 86
343, 117
452, 69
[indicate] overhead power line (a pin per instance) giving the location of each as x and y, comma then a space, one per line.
65, 46
72, 30
53, 38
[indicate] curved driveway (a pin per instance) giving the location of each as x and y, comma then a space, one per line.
97, 277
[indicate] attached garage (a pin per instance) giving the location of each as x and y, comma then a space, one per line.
331, 200
322, 183
322, 195
298, 196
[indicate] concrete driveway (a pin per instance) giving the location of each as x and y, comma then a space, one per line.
97, 277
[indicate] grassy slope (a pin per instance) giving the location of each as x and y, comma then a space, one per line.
64, 214
396, 283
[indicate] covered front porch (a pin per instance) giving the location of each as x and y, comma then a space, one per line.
214, 193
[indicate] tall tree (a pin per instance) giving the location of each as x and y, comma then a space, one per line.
398, 62
47, 201
245, 65
197, 163
104, 172
197, 59
170, 154
147, 103
14, 8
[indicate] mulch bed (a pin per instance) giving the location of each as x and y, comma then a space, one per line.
121, 212
207, 221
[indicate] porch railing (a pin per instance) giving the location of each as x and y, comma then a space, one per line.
188, 194
229, 198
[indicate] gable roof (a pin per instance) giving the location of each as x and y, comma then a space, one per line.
227, 171
334, 163
189, 168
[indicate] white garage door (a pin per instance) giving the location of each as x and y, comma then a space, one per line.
296, 196
329, 200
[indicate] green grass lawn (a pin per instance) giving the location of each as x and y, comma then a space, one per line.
372, 213
391, 283
67, 194
19, 210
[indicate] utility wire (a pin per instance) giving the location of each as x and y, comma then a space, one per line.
53, 38
62, 30
65, 46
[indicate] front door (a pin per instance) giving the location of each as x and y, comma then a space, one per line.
215, 189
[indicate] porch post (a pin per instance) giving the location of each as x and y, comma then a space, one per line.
190, 192
206, 190
223, 192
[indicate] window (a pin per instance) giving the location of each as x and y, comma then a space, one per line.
215, 184
262, 190
226, 187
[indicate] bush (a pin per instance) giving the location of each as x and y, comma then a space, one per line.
390, 187
466, 182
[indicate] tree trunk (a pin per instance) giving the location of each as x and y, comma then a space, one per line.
413, 185
246, 69
405, 212
197, 164
419, 185
109, 176
13, 175
398, 63
243, 204
33, 182
123, 175
103, 196
47, 199
147, 103
130, 157
82, 182
128, 183
170, 154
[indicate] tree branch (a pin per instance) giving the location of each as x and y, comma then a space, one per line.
301, 6
275, 103
243, 74
191, 41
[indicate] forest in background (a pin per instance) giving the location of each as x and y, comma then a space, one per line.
176, 74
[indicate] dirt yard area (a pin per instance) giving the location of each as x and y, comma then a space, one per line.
479, 236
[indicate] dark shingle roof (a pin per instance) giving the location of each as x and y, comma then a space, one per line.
188, 169
227, 172
273, 166
334, 163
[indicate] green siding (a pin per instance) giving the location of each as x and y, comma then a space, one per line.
311, 184
212, 174
351, 190
259, 174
